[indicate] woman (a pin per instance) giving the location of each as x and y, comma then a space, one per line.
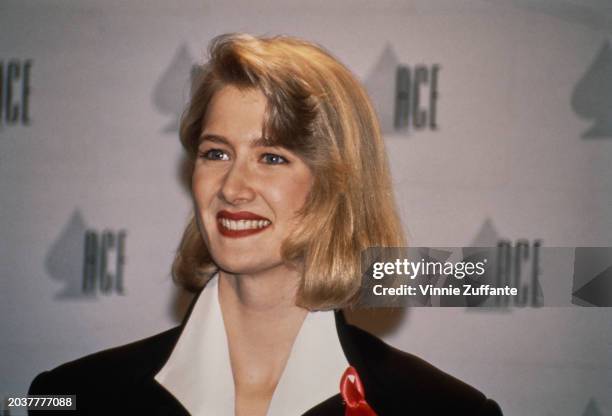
290, 183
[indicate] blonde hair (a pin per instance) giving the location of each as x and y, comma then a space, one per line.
318, 110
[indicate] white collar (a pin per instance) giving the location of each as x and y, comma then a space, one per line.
199, 375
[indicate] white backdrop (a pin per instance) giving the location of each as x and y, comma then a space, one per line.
522, 150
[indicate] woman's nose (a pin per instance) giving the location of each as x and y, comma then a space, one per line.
237, 185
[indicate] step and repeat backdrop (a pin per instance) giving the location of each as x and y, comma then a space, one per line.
497, 117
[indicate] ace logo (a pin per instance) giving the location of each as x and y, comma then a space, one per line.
15, 92
86, 261
406, 96
518, 266
104, 261
416, 97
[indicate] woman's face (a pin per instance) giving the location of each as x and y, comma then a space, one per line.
246, 193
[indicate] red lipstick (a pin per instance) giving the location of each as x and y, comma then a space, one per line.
240, 224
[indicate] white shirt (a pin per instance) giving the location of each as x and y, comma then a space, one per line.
199, 375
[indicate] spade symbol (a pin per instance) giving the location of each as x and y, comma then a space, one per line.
592, 96
592, 285
170, 93
487, 235
380, 85
592, 409
64, 260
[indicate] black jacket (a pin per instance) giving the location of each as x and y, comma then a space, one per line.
121, 381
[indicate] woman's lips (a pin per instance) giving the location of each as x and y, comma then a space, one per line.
240, 224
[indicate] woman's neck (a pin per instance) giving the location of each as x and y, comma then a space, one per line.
261, 322
265, 292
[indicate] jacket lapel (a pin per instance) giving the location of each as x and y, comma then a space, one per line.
351, 340
152, 398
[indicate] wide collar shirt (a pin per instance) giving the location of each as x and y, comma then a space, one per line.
199, 375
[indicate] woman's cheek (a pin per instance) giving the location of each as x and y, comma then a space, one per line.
278, 191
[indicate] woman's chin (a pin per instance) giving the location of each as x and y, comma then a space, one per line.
246, 267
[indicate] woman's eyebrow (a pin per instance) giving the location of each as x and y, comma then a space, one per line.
216, 138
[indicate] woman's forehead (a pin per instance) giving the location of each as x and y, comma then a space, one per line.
231, 104
235, 114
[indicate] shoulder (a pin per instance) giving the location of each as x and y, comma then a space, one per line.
112, 371
396, 381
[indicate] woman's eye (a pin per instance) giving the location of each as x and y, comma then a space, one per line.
273, 159
214, 154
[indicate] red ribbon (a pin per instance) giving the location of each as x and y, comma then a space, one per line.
354, 395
